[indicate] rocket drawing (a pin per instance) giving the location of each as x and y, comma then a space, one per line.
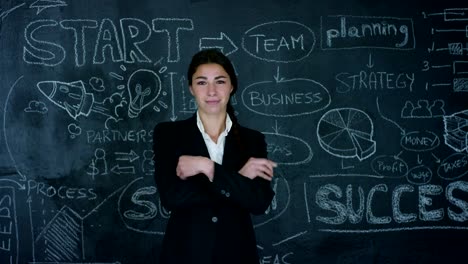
71, 97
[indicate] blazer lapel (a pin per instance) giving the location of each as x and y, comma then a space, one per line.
197, 146
195, 139
231, 152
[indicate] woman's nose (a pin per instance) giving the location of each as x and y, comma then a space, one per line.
211, 89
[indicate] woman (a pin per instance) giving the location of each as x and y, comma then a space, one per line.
211, 173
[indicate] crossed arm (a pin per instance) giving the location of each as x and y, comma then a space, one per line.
189, 166
185, 181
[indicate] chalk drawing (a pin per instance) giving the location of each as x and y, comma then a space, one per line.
347, 133
36, 107
143, 87
223, 43
456, 131
42, 5
279, 41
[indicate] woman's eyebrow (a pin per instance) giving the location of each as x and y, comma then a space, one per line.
216, 78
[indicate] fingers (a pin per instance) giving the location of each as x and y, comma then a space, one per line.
188, 166
264, 176
263, 167
264, 171
180, 173
183, 169
266, 166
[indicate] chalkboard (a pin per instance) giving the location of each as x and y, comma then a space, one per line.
363, 105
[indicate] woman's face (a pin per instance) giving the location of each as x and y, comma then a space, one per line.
211, 87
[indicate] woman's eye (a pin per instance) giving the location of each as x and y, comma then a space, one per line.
201, 83
221, 82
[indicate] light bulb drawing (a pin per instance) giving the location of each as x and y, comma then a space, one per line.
143, 87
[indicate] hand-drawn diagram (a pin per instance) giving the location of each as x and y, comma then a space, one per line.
139, 99
143, 87
42, 5
347, 133
223, 43
279, 41
36, 107
71, 97
77, 125
74, 130
419, 175
352, 32
442, 34
97, 84
147, 166
280, 202
283, 97
98, 164
420, 141
287, 150
134, 33
139, 206
76, 101
63, 239
456, 131
389, 166
453, 167
9, 222
423, 109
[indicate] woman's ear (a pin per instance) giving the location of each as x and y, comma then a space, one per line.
191, 90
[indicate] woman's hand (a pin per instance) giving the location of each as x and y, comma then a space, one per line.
258, 167
192, 165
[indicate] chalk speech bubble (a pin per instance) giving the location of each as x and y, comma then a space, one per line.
453, 167
287, 150
286, 98
279, 41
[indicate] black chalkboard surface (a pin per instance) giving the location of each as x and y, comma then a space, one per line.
363, 105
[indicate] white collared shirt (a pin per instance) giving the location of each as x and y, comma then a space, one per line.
216, 150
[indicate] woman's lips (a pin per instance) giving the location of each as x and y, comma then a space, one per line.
212, 102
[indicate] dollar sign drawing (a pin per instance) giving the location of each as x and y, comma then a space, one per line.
94, 170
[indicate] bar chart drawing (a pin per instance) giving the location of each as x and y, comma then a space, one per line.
62, 238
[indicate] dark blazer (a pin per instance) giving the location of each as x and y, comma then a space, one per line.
210, 221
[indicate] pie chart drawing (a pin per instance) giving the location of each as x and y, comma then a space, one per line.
346, 133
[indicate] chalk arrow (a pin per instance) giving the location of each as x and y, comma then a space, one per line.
224, 43
370, 65
173, 115
277, 77
132, 156
21, 186
436, 158
398, 155
123, 170
402, 131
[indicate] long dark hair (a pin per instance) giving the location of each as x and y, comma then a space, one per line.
215, 56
